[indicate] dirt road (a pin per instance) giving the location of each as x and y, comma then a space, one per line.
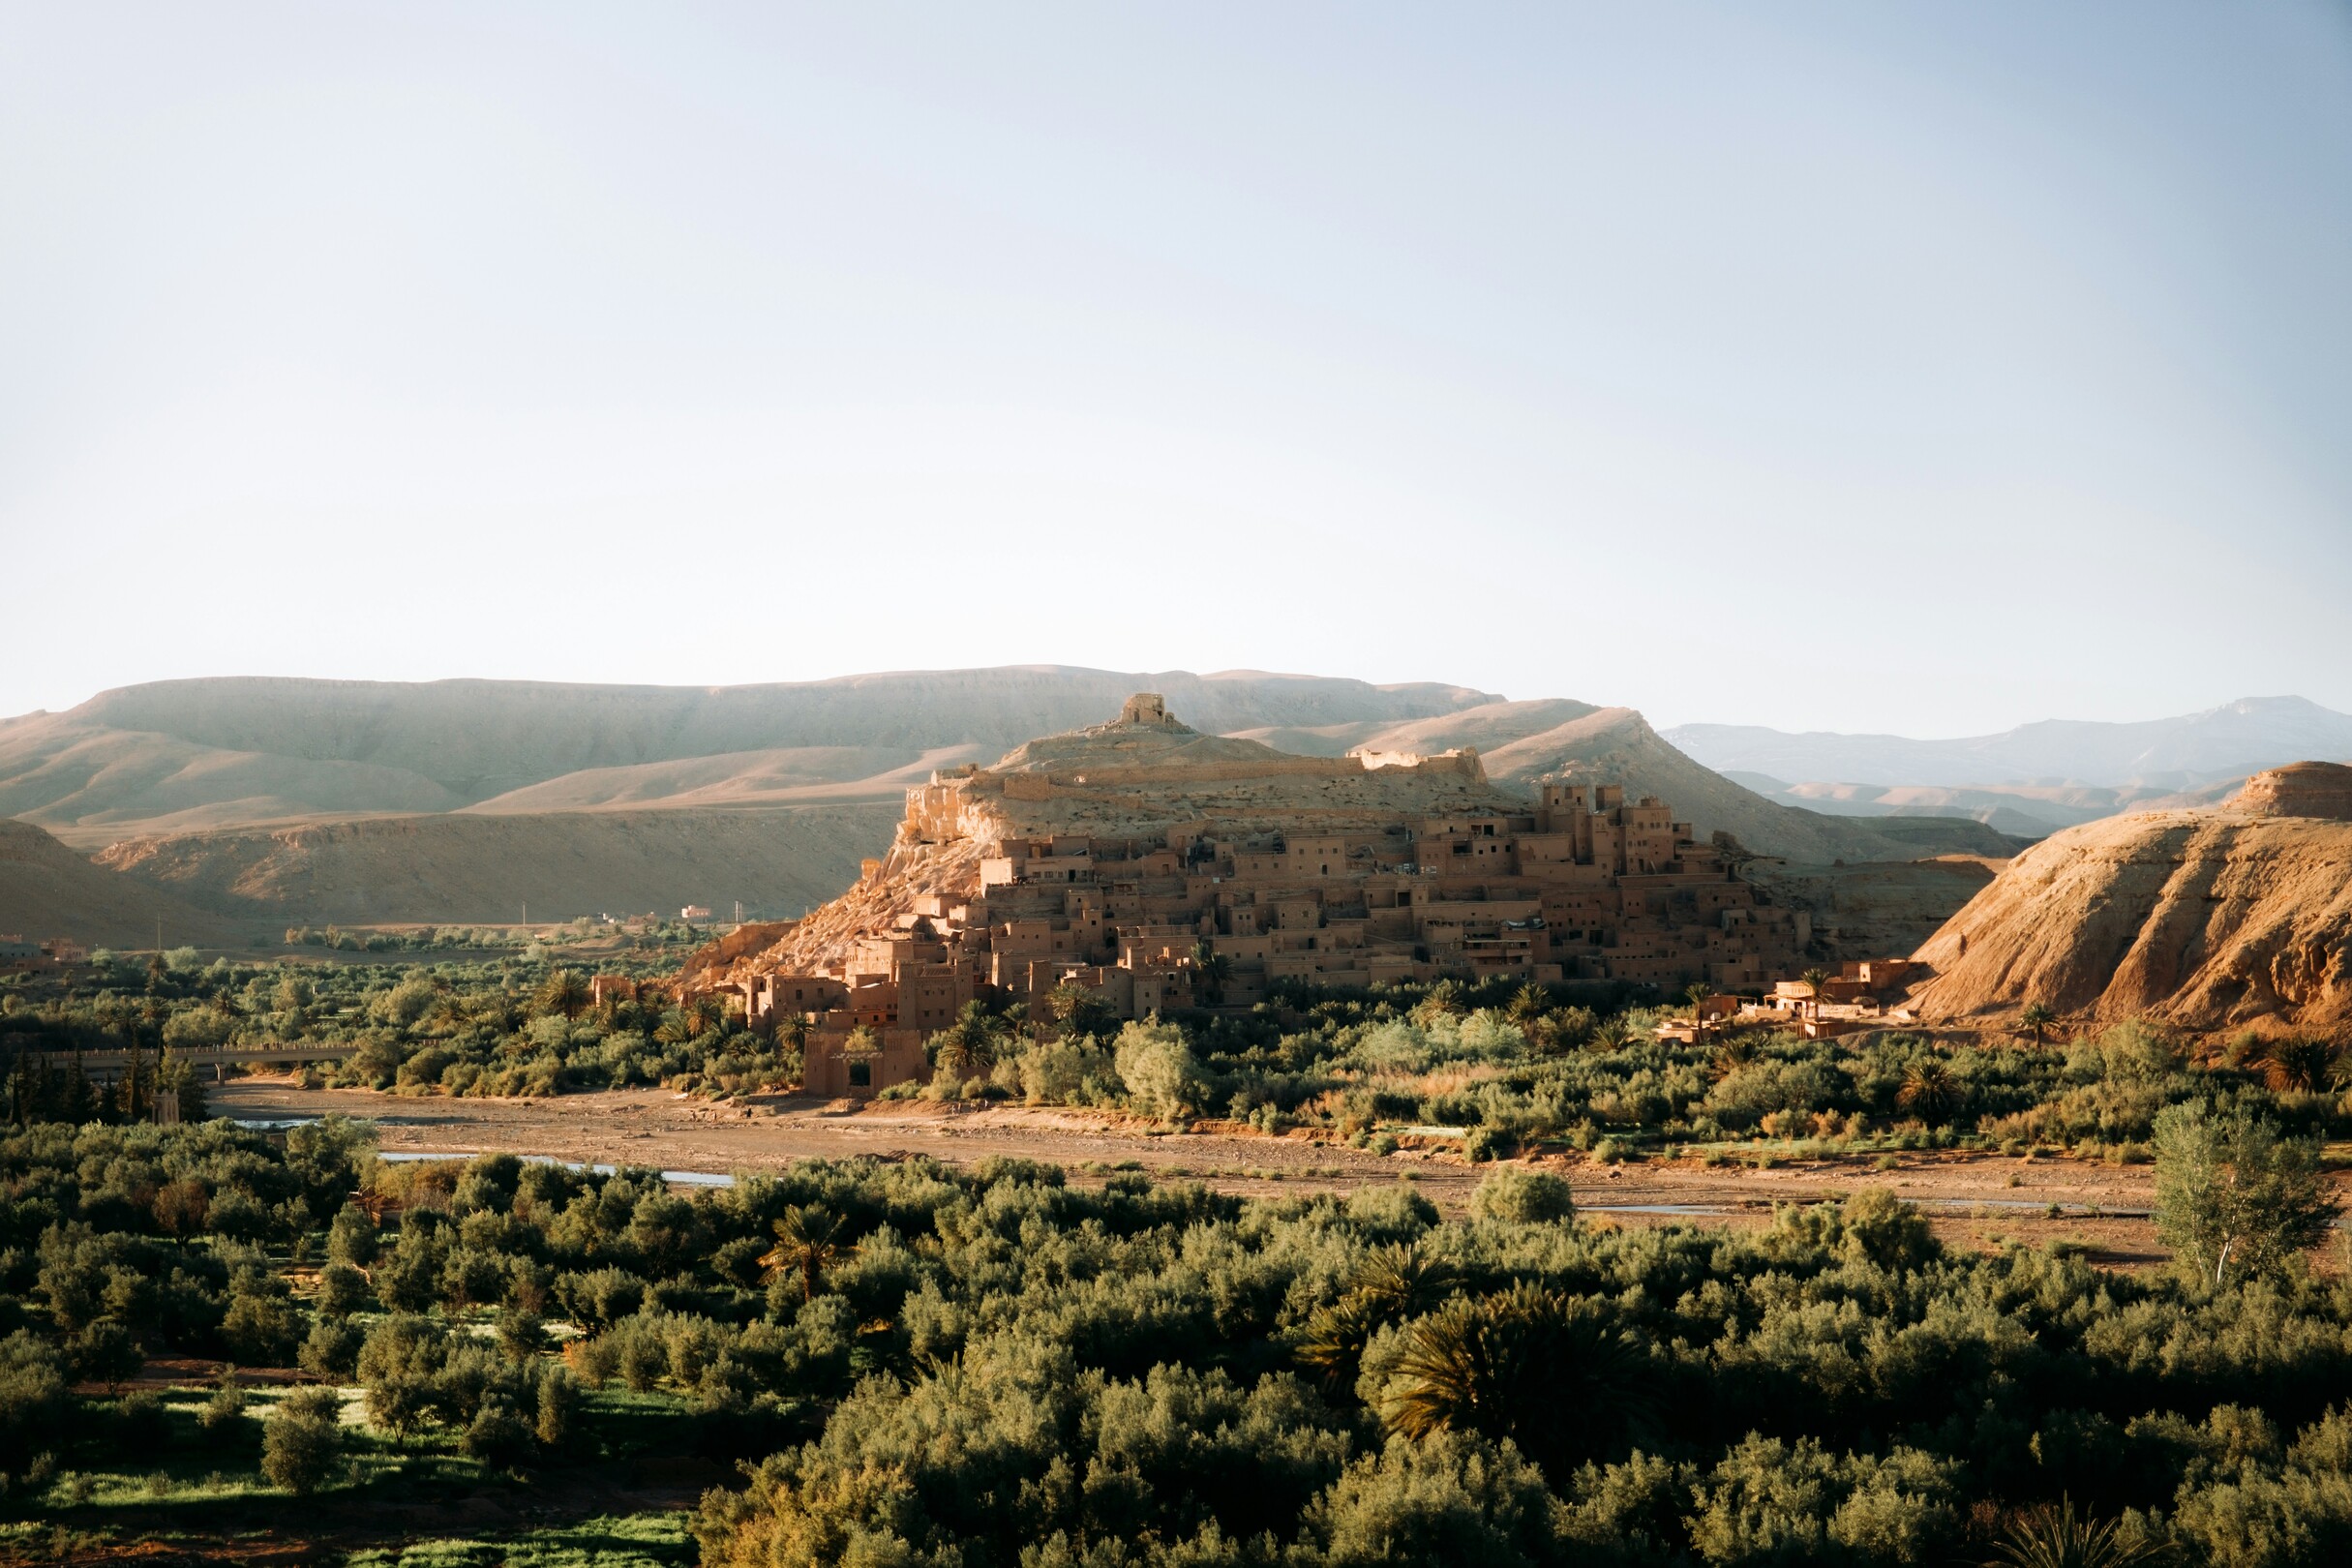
1979, 1200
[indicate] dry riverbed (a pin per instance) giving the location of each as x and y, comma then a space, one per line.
1975, 1199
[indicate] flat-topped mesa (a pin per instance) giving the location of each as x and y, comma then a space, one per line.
2303, 789
1158, 867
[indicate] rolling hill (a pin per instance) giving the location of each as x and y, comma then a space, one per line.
353, 801
2030, 810
238, 751
468, 868
48, 889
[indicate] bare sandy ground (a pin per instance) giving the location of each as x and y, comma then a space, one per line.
1977, 1199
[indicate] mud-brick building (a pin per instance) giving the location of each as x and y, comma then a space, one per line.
1156, 867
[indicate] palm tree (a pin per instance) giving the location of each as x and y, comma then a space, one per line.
807, 1242
967, 1045
1615, 1034
705, 1013
792, 1029
1442, 1000
2047, 1537
1528, 1364
2299, 1064
1213, 966
1529, 1003
1931, 1093
1331, 1346
1735, 1052
1403, 1282
1696, 996
2035, 1021
1815, 980
1393, 1284
960, 1056
564, 992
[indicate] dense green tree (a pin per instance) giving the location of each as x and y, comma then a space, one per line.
1157, 1068
2234, 1198
302, 1439
1516, 1193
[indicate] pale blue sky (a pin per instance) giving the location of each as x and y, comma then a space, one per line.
1894, 367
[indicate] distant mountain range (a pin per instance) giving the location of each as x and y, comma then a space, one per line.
457, 800
2185, 753
2033, 779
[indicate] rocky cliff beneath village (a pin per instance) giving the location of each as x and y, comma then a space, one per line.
2216, 919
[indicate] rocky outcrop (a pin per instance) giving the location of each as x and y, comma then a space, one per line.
2304, 788
2206, 920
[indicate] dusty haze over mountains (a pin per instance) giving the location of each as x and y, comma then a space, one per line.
2030, 779
2225, 742
462, 801
213, 752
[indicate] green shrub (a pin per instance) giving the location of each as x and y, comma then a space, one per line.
1516, 1193
302, 1440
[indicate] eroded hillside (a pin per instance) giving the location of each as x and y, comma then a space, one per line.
2206, 919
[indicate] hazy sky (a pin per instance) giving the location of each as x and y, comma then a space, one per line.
1873, 365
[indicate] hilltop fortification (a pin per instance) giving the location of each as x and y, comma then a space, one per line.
1156, 866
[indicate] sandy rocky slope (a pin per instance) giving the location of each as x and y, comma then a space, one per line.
2235, 917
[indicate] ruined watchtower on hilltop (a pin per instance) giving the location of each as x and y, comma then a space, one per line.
1147, 707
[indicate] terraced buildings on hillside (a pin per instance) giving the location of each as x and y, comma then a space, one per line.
1156, 868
